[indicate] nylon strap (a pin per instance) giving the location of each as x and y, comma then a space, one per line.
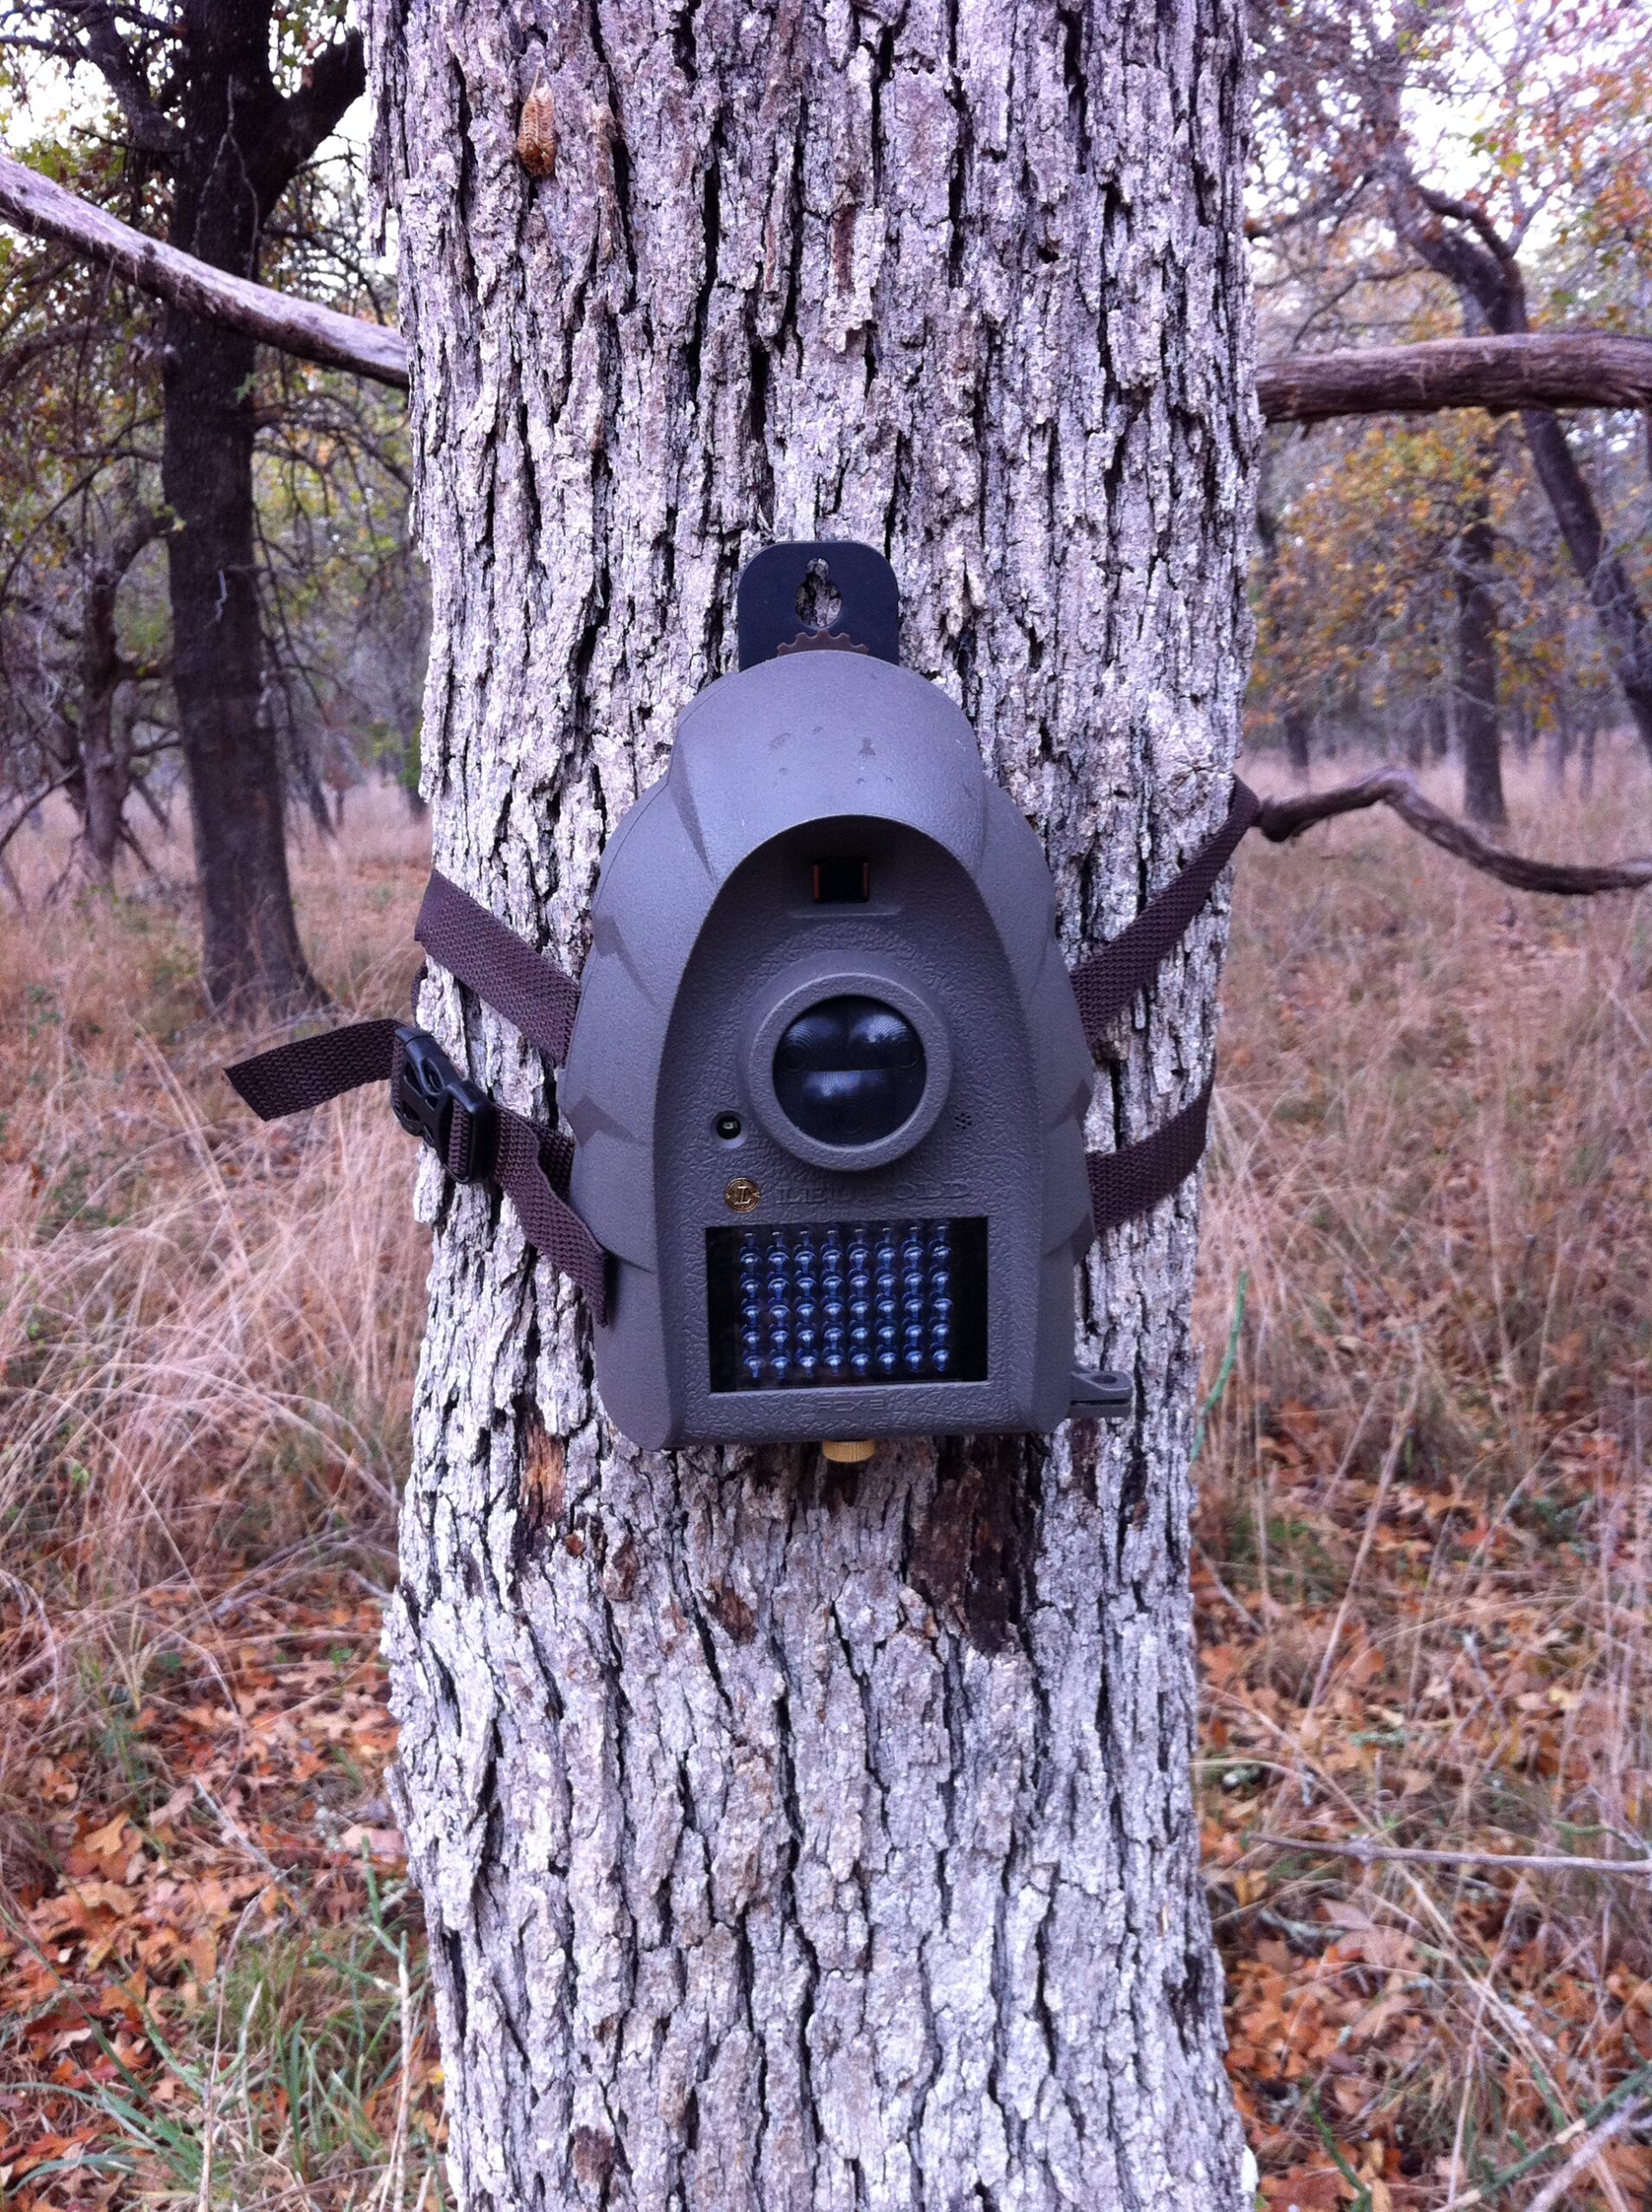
295, 1077
548, 1223
532, 1171
1130, 1181
533, 994
1127, 1182
1108, 982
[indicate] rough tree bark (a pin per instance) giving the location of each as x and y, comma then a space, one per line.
788, 1840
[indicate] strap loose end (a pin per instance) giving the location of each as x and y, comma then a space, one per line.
292, 1078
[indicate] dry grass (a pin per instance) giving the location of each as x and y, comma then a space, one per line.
207, 1328
1422, 1574
208, 1333
1426, 1525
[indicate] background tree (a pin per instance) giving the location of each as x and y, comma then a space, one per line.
1526, 218
83, 635
338, 599
787, 1840
210, 129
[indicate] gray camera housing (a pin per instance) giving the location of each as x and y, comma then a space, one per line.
709, 936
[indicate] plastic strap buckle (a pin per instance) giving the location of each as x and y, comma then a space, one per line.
431, 1099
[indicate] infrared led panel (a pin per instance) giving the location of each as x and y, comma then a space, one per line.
819, 1305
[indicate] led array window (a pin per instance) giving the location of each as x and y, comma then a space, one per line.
847, 1302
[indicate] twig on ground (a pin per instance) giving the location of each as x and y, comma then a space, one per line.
1221, 1587
1408, 1855
1553, 2191
1281, 819
1626, 2096
237, 1834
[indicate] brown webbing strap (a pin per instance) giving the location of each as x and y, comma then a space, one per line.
1127, 1182
532, 1171
1106, 984
316, 1069
533, 994
548, 1223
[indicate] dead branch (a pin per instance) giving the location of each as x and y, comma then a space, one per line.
1407, 1854
1556, 2190
1281, 819
34, 204
1532, 368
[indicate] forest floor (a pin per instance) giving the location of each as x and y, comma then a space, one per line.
1424, 1543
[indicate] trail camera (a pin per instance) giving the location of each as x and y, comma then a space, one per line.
828, 1079
825, 1070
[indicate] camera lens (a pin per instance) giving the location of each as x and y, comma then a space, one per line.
849, 1071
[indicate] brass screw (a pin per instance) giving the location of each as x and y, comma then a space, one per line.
853, 1453
740, 1194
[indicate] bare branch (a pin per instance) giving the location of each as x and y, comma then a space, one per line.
148, 128
1407, 1854
1282, 819
1536, 369
315, 334
1471, 214
1557, 2190
336, 78
1570, 369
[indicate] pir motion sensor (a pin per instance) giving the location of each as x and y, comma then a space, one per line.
825, 1070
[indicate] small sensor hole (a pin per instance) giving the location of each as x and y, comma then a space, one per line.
843, 882
728, 1127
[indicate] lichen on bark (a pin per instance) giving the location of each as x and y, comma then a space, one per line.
791, 1838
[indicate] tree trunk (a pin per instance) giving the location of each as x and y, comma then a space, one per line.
1492, 290
103, 772
1624, 629
104, 744
250, 949
788, 1839
240, 144
1557, 749
1299, 741
1477, 676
